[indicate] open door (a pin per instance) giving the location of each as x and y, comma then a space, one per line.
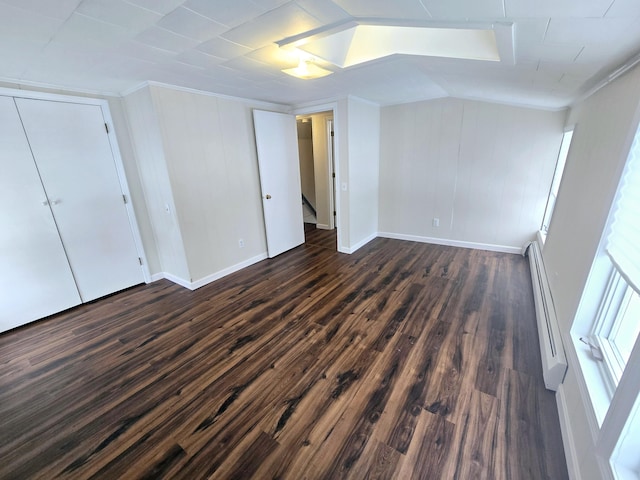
277, 147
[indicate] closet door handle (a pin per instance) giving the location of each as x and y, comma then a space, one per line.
45, 203
55, 202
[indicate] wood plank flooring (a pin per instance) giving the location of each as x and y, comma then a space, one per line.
401, 361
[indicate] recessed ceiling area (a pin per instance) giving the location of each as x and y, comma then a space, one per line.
363, 43
556, 51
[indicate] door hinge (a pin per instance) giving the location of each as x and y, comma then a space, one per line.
106, 127
333, 175
334, 213
140, 260
124, 198
332, 133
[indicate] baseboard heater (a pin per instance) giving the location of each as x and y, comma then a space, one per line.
554, 362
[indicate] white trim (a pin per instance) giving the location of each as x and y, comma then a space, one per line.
124, 185
323, 226
360, 244
210, 278
363, 100
337, 119
53, 86
52, 97
573, 463
255, 103
157, 276
452, 243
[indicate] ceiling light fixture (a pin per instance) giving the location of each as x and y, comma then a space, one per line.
307, 70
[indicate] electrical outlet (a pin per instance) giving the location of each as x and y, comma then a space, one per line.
436, 222
241, 243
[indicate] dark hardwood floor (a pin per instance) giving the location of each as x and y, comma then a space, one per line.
403, 360
319, 237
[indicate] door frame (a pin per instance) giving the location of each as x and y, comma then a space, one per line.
331, 107
115, 151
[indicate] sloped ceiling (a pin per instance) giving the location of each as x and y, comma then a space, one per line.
562, 47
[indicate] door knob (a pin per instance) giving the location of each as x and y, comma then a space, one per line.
268, 196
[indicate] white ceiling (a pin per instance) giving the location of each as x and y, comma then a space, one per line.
562, 47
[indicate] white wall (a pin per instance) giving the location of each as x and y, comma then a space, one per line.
484, 170
197, 153
322, 177
306, 161
147, 143
363, 126
605, 124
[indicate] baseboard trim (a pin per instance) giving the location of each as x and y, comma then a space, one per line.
323, 226
156, 276
452, 243
209, 278
360, 244
573, 465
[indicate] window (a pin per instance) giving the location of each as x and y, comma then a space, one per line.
557, 176
617, 323
616, 328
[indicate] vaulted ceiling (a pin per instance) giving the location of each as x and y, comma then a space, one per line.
560, 49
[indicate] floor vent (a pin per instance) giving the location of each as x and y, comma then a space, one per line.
554, 363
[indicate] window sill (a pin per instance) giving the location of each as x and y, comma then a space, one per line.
593, 381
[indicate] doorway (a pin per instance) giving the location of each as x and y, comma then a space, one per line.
317, 172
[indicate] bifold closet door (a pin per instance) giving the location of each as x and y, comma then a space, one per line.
73, 154
35, 277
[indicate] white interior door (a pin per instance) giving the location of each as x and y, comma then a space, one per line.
35, 277
74, 158
277, 145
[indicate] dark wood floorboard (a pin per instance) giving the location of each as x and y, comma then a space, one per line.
401, 361
319, 237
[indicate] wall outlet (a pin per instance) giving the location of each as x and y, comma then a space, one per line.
241, 243
436, 222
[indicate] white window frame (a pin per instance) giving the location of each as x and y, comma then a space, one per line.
561, 162
608, 323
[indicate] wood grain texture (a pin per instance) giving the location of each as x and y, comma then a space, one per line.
403, 360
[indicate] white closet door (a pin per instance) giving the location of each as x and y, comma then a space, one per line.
35, 278
73, 154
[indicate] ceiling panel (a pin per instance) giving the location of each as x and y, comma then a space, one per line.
277, 24
562, 48
19, 25
190, 24
228, 12
119, 12
624, 9
584, 31
557, 8
87, 33
410, 9
324, 10
199, 59
159, 6
220, 47
463, 9
60, 9
166, 40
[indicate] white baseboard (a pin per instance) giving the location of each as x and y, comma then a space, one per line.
323, 226
359, 245
452, 243
209, 278
573, 465
156, 276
